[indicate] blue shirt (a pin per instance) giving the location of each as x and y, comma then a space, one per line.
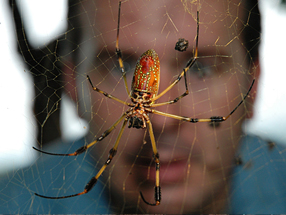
258, 184
54, 176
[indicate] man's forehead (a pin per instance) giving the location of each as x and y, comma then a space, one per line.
220, 21
149, 10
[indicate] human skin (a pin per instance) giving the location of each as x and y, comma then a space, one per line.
196, 159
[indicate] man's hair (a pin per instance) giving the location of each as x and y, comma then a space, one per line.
251, 33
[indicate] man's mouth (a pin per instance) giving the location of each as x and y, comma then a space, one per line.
173, 168
170, 172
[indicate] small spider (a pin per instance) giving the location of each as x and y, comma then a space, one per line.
144, 93
182, 45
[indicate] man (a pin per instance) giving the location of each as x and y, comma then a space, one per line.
196, 160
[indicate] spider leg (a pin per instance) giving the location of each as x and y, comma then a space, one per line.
174, 100
183, 73
157, 165
195, 120
119, 54
84, 148
106, 94
94, 179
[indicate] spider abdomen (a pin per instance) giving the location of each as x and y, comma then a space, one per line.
147, 73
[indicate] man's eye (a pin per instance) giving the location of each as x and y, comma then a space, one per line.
210, 67
105, 62
109, 63
202, 69
128, 64
128, 67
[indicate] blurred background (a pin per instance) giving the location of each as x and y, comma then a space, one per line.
19, 126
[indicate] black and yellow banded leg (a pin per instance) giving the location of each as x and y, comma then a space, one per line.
157, 192
179, 97
172, 101
106, 94
183, 73
84, 148
213, 119
112, 153
94, 179
119, 54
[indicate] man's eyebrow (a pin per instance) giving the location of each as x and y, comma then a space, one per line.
110, 52
214, 51
209, 52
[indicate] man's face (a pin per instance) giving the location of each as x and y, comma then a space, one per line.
196, 159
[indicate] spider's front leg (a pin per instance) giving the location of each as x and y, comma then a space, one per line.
106, 94
183, 73
119, 54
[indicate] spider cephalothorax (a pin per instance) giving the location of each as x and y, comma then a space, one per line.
137, 116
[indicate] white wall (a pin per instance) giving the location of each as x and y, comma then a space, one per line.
270, 110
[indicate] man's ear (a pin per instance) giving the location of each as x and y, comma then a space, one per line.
253, 93
69, 79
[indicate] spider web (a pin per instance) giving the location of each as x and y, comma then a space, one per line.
203, 166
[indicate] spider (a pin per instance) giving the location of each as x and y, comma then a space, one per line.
182, 45
144, 93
